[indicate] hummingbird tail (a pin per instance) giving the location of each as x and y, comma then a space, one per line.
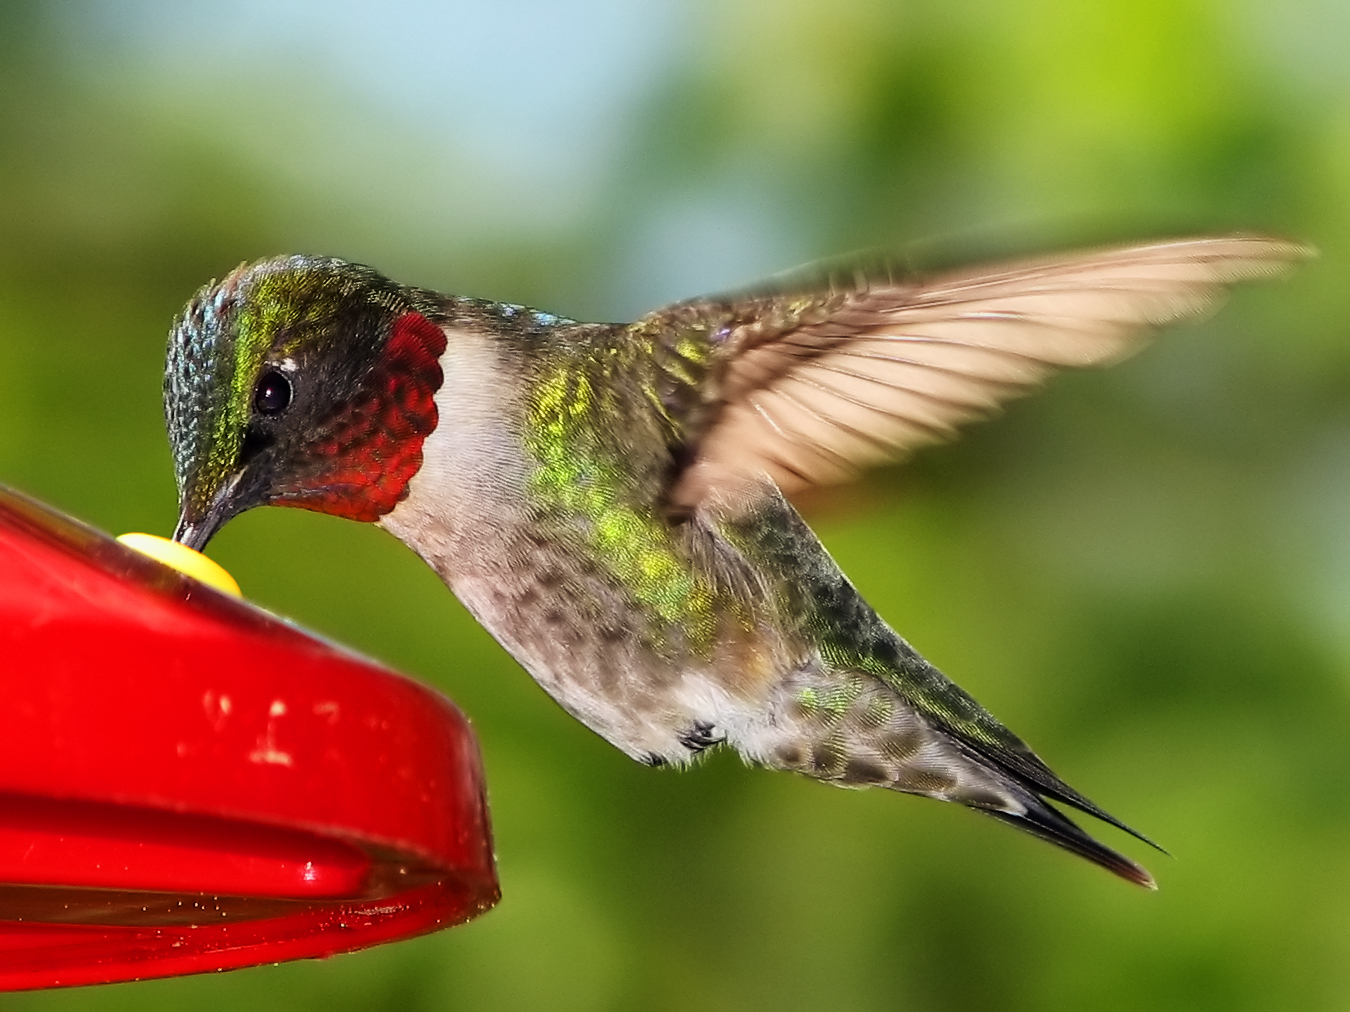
1043, 821
854, 730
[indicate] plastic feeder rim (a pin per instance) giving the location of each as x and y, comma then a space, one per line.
188, 783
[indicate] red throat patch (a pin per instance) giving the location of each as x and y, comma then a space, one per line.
369, 448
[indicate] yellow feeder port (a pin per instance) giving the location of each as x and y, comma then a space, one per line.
183, 559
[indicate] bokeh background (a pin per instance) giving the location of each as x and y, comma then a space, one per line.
1145, 572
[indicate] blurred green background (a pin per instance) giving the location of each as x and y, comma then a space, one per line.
1145, 572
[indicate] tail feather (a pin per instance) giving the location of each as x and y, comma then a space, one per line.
1042, 820
1027, 768
856, 730
1045, 822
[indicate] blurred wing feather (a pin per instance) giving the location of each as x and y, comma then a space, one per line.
811, 390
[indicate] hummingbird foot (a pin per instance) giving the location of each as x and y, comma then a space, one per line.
701, 737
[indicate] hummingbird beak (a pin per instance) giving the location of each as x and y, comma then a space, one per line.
195, 529
194, 535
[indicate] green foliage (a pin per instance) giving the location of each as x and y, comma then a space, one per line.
1143, 572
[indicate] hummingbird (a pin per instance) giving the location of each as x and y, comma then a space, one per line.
612, 501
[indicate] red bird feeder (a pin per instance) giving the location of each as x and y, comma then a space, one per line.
188, 783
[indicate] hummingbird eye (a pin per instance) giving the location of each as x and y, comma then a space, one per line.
272, 394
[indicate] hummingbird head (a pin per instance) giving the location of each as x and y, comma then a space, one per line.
299, 381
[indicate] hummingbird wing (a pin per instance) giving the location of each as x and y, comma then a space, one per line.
811, 387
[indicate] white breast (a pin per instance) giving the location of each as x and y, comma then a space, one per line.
469, 487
